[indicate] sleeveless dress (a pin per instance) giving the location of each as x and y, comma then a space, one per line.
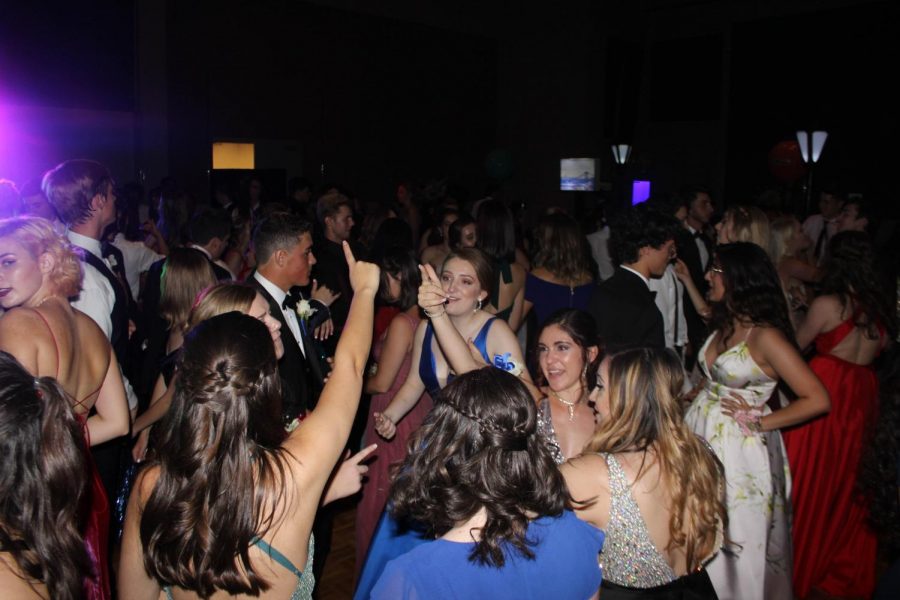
305, 580
95, 504
834, 547
392, 539
548, 297
504, 273
375, 491
632, 566
757, 564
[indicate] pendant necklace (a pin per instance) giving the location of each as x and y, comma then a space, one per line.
570, 405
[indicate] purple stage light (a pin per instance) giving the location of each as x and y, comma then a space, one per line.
640, 191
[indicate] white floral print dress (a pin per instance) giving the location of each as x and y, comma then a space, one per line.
758, 564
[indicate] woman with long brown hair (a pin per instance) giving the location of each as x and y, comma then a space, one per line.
227, 507
44, 485
652, 485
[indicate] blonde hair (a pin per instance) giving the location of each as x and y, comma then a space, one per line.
782, 231
38, 237
644, 413
749, 224
223, 297
186, 274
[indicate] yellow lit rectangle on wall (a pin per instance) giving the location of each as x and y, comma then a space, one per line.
231, 155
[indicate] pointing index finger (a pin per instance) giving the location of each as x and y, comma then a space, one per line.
348, 255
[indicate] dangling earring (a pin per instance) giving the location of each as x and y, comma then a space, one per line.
477, 305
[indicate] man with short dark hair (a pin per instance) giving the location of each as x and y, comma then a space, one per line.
284, 257
623, 306
821, 227
336, 216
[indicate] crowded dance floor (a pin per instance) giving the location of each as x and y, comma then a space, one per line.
385, 363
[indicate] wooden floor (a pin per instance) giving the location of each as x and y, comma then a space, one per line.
337, 581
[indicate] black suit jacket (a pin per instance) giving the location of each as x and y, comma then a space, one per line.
626, 314
302, 377
690, 254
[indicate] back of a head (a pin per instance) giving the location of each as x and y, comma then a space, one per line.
185, 274
560, 247
279, 231
639, 227
749, 224
221, 298
401, 264
479, 448
220, 460
43, 479
850, 272
643, 389
208, 224
496, 231
71, 186
781, 230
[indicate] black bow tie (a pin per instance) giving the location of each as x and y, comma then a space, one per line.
291, 300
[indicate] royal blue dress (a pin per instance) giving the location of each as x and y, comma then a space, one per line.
565, 565
390, 540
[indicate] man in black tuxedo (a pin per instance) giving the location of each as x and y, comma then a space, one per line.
284, 258
643, 241
283, 244
695, 249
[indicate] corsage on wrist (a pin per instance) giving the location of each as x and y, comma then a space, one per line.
505, 362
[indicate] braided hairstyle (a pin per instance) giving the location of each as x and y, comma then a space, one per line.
479, 449
220, 461
43, 482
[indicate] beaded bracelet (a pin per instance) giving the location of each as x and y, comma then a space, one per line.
434, 315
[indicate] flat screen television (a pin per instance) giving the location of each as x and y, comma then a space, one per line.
578, 174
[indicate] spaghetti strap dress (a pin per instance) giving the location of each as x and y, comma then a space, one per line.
834, 547
757, 564
95, 504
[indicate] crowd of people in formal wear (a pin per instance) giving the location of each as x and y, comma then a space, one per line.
677, 403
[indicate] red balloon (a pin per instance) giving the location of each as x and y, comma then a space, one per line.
786, 163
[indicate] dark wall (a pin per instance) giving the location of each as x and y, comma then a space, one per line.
373, 99
830, 70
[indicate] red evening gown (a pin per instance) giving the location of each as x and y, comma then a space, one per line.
96, 528
376, 489
834, 547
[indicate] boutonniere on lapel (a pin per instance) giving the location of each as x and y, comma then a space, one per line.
305, 311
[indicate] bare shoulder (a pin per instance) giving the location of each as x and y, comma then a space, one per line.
585, 475
88, 331
145, 482
22, 319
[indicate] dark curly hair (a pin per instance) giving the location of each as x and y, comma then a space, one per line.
878, 477
43, 482
479, 448
220, 461
849, 273
752, 291
638, 227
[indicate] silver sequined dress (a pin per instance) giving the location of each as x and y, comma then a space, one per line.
629, 557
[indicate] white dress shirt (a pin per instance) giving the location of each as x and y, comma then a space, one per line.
138, 259
668, 299
701, 247
97, 296
290, 316
599, 242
